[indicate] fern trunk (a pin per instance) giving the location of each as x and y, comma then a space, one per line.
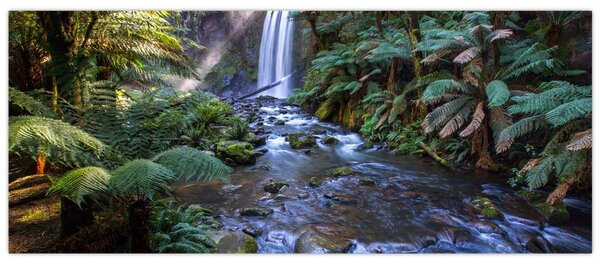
73, 218
41, 165
560, 192
139, 223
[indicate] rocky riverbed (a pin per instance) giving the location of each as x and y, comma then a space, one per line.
304, 186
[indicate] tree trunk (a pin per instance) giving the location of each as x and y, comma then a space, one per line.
378, 18
73, 218
414, 34
560, 192
139, 223
312, 19
392, 77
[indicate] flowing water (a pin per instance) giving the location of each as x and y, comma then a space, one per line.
275, 58
415, 205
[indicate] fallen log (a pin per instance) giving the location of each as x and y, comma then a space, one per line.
265, 88
25, 195
433, 155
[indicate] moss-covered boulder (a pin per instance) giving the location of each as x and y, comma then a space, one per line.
487, 209
256, 140
256, 211
367, 145
302, 140
330, 140
279, 122
237, 242
274, 187
342, 171
240, 153
553, 214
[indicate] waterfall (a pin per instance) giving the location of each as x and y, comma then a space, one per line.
275, 58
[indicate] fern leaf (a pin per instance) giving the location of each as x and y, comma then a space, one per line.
581, 140
189, 162
80, 183
570, 111
497, 93
478, 117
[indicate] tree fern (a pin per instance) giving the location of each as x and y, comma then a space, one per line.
141, 178
30, 104
79, 184
188, 163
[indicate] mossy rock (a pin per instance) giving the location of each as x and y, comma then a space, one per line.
342, 171
330, 140
316, 181
533, 196
279, 122
237, 243
554, 214
487, 209
367, 145
274, 187
366, 181
256, 211
240, 153
315, 239
256, 140
302, 140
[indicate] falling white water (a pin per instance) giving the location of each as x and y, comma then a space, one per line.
275, 59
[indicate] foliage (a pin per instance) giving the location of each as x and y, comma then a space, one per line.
181, 229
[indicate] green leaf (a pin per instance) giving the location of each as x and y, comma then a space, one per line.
497, 93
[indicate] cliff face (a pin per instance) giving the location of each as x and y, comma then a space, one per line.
229, 63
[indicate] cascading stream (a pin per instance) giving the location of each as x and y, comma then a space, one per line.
275, 59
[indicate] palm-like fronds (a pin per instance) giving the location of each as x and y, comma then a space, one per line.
141, 178
55, 140
79, 184
188, 163
30, 104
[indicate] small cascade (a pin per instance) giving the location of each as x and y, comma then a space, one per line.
275, 59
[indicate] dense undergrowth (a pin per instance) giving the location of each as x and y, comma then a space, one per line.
492, 90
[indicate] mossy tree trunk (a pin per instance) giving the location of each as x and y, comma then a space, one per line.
139, 223
73, 218
414, 36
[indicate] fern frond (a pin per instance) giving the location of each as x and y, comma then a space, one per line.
141, 177
78, 184
190, 163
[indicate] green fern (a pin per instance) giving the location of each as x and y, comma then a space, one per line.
188, 163
141, 178
79, 184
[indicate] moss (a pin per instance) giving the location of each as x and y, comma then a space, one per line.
330, 140
367, 182
487, 209
342, 171
302, 140
533, 196
367, 144
238, 152
250, 245
40, 213
274, 187
316, 181
554, 214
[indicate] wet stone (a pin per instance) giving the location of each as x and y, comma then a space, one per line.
274, 187
256, 211
342, 171
253, 231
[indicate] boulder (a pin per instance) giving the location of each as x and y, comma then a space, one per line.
342, 171
274, 187
316, 181
367, 145
237, 242
330, 140
257, 140
279, 122
554, 214
323, 239
240, 153
253, 231
256, 211
302, 140
487, 209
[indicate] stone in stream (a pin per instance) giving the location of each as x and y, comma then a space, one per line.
279, 122
487, 209
366, 145
316, 181
271, 118
323, 239
257, 140
539, 244
319, 131
302, 140
342, 171
240, 153
487, 227
553, 214
366, 181
307, 152
256, 211
237, 242
253, 231
342, 199
330, 140
274, 187
302, 195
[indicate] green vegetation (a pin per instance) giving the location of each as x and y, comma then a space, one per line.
498, 88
